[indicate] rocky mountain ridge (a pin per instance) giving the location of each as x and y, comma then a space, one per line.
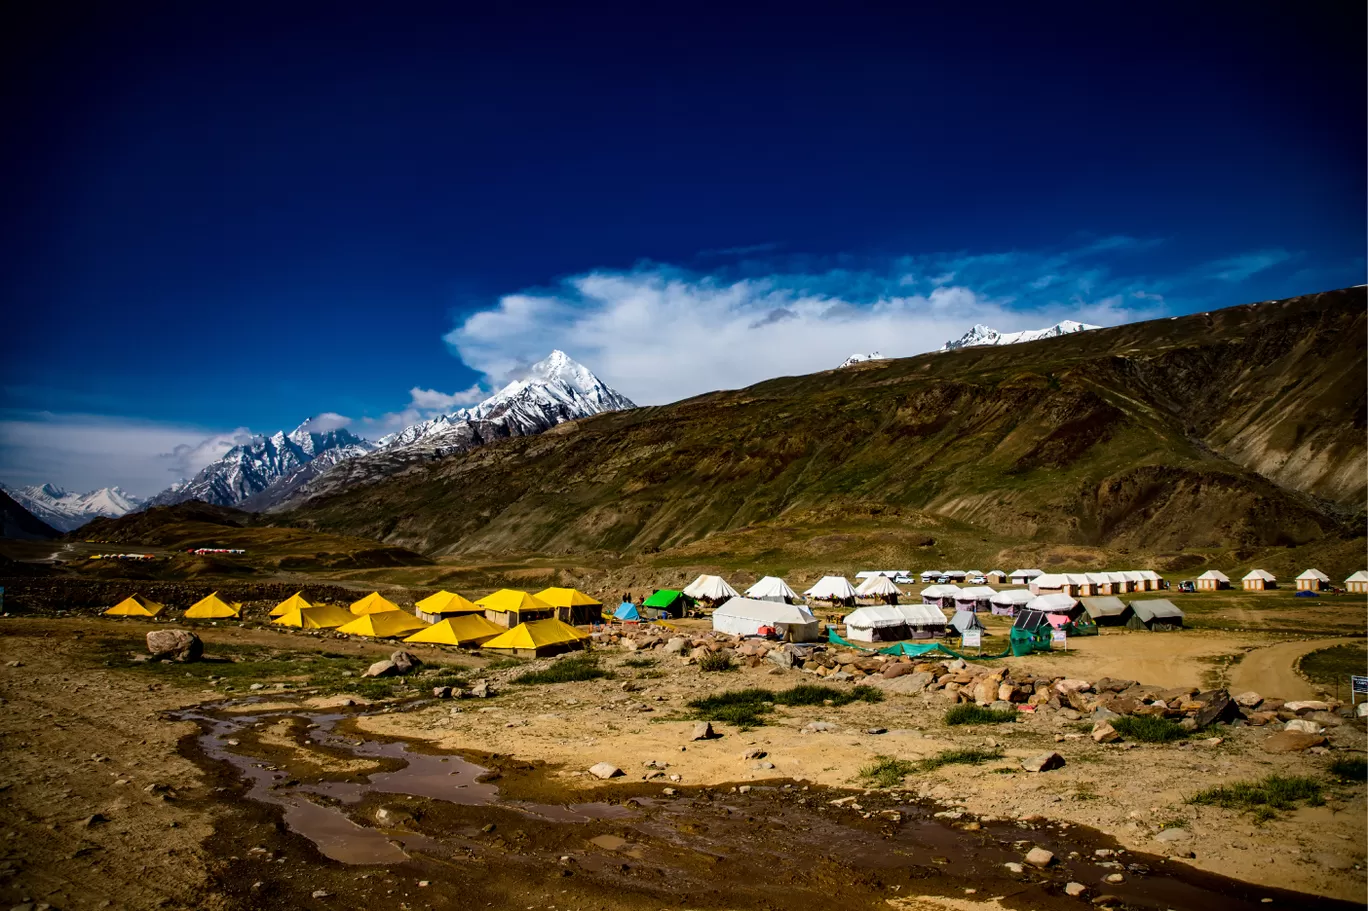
66, 511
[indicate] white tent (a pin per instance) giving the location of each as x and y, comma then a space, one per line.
975, 597
1024, 576
1007, 603
1216, 576
940, 595
921, 616
1057, 603
870, 624
745, 616
1313, 574
877, 587
831, 587
890, 573
772, 588
930, 575
710, 588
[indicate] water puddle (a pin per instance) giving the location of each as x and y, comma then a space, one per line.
446, 778
694, 846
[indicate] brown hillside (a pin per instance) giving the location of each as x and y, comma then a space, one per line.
1238, 428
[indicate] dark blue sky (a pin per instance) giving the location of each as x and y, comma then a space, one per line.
244, 215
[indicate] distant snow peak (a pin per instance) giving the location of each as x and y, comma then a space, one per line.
984, 335
66, 511
861, 358
557, 389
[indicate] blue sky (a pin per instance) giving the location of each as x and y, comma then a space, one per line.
222, 222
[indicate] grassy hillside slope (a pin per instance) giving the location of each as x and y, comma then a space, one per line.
1241, 428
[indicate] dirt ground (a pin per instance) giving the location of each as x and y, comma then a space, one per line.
107, 803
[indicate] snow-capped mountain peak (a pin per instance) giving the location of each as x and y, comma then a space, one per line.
861, 358
66, 511
985, 335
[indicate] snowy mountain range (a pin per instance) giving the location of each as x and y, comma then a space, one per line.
556, 390
264, 462
270, 470
983, 335
66, 511
861, 358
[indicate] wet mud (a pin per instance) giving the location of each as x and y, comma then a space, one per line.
319, 809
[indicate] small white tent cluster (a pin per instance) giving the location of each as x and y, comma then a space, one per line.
747, 617
710, 588
893, 622
832, 588
1006, 604
940, 595
772, 588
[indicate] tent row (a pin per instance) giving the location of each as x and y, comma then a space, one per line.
1098, 583
1258, 580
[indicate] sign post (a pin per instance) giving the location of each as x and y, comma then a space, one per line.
970, 638
1358, 686
1059, 637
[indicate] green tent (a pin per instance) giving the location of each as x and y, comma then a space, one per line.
669, 600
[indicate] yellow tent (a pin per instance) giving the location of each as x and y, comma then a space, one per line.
536, 637
435, 607
293, 603
572, 605
467, 629
212, 607
325, 616
134, 606
374, 603
383, 624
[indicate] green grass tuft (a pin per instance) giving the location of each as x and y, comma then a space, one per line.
968, 713
743, 708
812, 694
1149, 729
639, 662
1350, 768
1263, 798
962, 756
713, 662
887, 772
566, 670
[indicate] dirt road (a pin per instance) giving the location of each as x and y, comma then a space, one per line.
1269, 669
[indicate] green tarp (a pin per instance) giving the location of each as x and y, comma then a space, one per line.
914, 650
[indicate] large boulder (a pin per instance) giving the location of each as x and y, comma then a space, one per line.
405, 662
177, 644
781, 657
1292, 742
384, 668
1045, 762
1216, 706
905, 685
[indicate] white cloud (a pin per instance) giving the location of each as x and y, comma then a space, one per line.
659, 334
328, 420
1239, 268
83, 452
432, 400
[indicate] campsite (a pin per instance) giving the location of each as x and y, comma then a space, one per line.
527, 709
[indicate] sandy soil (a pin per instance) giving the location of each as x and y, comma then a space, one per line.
1271, 669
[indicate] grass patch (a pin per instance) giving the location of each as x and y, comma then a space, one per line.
714, 662
1263, 798
1331, 667
968, 713
1149, 729
503, 663
812, 694
1350, 768
566, 670
743, 708
1175, 822
887, 772
639, 662
963, 756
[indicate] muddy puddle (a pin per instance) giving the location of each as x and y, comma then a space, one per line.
368, 804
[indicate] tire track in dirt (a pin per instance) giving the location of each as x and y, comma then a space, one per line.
1269, 670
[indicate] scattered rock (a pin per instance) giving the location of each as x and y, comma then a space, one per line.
703, 731
1249, 700
481, 690
94, 820
1168, 836
257, 686
818, 727
1039, 857
320, 893
1103, 732
1361, 710
1292, 742
876, 731
669, 792
382, 669
755, 753
762, 766
1113, 878
781, 657
905, 684
441, 692
1303, 726
1014, 867
1073, 890
1218, 706
605, 770
1045, 762
676, 645
180, 644
405, 662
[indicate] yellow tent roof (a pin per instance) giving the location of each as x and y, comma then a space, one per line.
373, 603
566, 597
292, 603
134, 606
212, 607
383, 624
445, 602
507, 600
325, 616
467, 629
536, 634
